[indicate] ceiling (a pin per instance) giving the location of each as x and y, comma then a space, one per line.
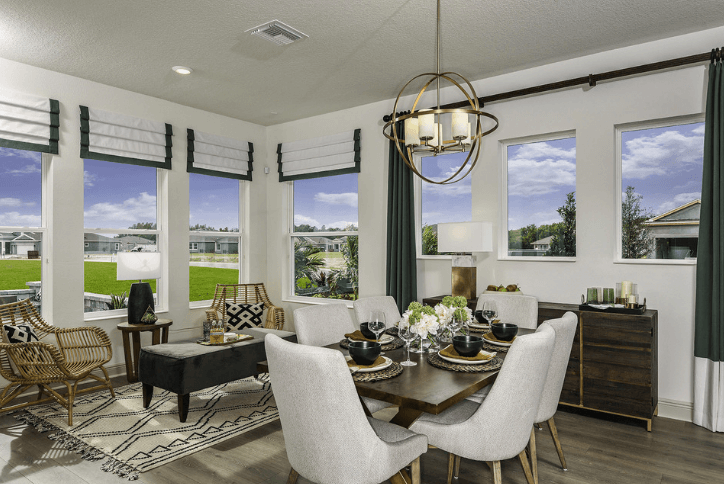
358, 51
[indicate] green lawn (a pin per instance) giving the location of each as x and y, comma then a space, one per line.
100, 278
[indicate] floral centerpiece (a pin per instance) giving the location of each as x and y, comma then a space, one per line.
452, 308
424, 321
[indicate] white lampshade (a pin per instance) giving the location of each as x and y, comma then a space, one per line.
460, 126
427, 128
138, 266
465, 237
412, 136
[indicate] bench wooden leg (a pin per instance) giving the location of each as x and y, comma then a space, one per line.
183, 407
147, 394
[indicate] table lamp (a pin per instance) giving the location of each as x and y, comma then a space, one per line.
462, 238
138, 265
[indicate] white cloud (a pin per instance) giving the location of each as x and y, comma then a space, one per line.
349, 199
543, 150
15, 219
25, 170
678, 200
538, 218
302, 220
460, 188
13, 153
10, 202
341, 224
663, 154
699, 130
124, 214
89, 178
530, 177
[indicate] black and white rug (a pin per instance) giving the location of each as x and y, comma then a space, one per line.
134, 439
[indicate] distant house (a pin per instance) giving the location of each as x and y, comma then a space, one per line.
208, 244
101, 244
543, 244
675, 233
20, 243
325, 243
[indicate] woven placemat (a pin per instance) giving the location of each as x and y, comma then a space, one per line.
392, 345
499, 349
478, 330
435, 360
390, 372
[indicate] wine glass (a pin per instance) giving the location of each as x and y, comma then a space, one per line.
376, 323
490, 311
405, 332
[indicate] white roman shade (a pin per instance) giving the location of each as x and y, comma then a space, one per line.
210, 154
313, 158
29, 122
124, 139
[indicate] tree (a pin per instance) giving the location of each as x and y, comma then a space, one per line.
635, 240
304, 228
350, 254
429, 239
563, 242
306, 261
143, 226
202, 228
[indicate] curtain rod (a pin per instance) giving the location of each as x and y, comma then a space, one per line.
591, 79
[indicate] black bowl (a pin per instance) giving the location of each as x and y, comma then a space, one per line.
366, 331
467, 345
364, 352
504, 331
479, 317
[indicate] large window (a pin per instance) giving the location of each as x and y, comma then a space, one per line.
541, 196
661, 169
22, 225
441, 203
324, 241
120, 215
214, 239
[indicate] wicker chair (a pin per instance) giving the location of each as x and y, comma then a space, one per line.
79, 351
244, 294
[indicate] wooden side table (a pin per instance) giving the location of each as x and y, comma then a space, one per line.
135, 330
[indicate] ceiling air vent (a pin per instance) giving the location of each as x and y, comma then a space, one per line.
277, 32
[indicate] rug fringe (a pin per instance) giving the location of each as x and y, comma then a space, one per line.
120, 469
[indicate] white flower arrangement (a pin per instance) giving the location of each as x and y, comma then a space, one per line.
423, 321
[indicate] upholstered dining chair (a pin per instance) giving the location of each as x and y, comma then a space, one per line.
328, 438
565, 329
324, 324
364, 306
513, 308
500, 427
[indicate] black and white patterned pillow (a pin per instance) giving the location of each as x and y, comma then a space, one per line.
22, 333
241, 316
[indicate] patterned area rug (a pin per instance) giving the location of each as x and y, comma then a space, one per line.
134, 439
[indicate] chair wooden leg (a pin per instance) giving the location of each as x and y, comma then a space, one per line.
293, 476
457, 466
497, 476
526, 467
415, 471
40, 392
450, 467
533, 456
559, 449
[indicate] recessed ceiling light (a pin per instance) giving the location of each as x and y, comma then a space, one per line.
182, 70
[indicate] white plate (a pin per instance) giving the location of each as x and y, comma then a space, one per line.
384, 339
384, 365
495, 342
466, 362
479, 326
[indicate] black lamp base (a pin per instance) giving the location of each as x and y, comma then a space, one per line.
139, 299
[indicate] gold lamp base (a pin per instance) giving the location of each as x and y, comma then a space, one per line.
464, 282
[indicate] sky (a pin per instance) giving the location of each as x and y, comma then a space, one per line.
664, 165
329, 201
20, 188
540, 175
445, 203
214, 201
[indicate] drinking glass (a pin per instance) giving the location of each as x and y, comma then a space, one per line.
376, 323
490, 311
405, 332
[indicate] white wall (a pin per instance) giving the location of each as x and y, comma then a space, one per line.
592, 113
63, 271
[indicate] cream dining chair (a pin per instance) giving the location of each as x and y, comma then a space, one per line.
325, 324
513, 308
364, 306
500, 427
328, 439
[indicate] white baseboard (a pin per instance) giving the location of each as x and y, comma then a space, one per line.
676, 409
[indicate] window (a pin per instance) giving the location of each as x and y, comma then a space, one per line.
214, 238
22, 225
440, 203
540, 175
661, 166
324, 240
120, 214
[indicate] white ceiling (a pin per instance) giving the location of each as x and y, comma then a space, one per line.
358, 51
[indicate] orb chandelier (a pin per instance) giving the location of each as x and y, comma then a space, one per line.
424, 128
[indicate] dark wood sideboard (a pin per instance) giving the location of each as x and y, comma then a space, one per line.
613, 366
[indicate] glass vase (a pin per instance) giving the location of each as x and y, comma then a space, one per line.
420, 345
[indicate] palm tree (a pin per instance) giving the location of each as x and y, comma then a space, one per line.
306, 261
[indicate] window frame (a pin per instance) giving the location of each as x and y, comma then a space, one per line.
619, 129
242, 188
288, 294
503, 221
162, 304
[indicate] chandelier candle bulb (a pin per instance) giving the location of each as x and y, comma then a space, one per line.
411, 132
460, 126
435, 141
427, 126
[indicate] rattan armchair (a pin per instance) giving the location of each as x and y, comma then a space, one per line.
79, 351
244, 294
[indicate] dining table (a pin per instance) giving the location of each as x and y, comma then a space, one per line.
420, 388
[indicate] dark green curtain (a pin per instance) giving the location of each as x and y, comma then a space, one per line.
709, 315
401, 257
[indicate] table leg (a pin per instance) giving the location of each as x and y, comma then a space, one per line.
136, 356
164, 338
156, 336
405, 417
128, 356
147, 394
183, 406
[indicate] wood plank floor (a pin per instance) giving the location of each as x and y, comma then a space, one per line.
598, 450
